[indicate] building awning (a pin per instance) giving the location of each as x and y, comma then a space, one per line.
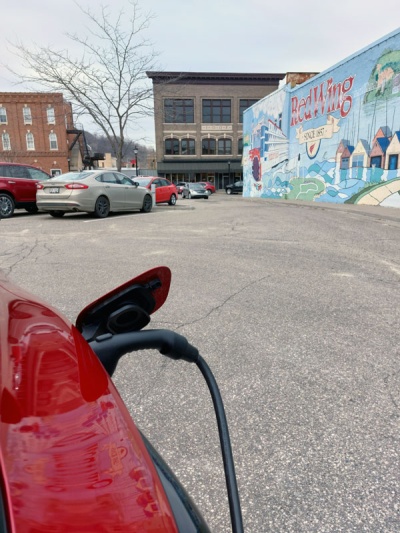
176, 167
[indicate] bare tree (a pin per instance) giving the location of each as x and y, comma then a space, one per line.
109, 82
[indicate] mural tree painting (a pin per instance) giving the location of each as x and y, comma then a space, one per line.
384, 81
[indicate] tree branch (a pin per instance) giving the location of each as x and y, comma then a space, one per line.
108, 82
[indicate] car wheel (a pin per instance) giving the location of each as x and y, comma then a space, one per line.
57, 214
7, 205
102, 207
32, 209
147, 204
206, 197
172, 200
228, 191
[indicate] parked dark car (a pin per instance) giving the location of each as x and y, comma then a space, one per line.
234, 188
18, 187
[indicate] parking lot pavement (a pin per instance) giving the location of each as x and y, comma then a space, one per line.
295, 308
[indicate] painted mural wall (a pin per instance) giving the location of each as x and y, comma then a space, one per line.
335, 138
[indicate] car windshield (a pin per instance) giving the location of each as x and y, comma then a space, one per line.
196, 186
73, 176
143, 182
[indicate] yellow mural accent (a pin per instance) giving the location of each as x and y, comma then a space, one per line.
316, 134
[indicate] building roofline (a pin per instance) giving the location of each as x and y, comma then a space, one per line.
33, 93
211, 78
32, 96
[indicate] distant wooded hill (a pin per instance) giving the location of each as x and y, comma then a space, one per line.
100, 144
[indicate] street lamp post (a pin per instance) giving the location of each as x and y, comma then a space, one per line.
135, 151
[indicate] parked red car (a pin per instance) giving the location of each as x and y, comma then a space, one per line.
18, 187
210, 187
71, 458
181, 185
166, 191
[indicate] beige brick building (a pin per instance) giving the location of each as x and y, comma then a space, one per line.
198, 122
37, 129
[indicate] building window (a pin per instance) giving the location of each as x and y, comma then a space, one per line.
344, 164
6, 141
216, 111
26, 113
224, 146
30, 141
240, 146
179, 110
208, 147
3, 115
358, 160
53, 141
51, 118
244, 103
171, 146
393, 161
188, 147
376, 161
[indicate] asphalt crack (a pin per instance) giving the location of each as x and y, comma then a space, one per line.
217, 307
389, 387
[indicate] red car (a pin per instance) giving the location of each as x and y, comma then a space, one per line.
166, 192
71, 458
181, 185
210, 187
18, 187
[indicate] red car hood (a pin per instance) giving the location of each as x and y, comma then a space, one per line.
72, 460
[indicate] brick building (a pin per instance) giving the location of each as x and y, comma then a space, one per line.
198, 122
37, 129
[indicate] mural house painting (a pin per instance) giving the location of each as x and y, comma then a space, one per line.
334, 138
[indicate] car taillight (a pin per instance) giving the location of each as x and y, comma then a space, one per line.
39, 186
76, 186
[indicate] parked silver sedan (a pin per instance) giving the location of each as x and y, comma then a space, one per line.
194, 190
92, 191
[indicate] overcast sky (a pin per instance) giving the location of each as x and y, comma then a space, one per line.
215, 35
